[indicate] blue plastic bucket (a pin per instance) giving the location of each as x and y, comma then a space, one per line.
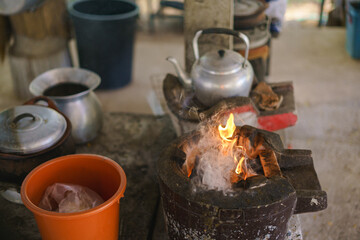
353, 29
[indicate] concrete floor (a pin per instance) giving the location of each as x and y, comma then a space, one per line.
327, 85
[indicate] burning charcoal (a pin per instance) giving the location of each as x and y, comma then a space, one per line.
228, 149
251, 140
256, 166
255, 145
236, 178
269, 163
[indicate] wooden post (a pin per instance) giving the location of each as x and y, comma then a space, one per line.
49, 20
4, 36
201, 14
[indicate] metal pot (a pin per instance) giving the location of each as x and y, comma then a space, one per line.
218, 74
77, 100
259, 35
10, 7
30, 135
260, 42
248, 13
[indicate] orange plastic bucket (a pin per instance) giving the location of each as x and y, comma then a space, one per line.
98, 173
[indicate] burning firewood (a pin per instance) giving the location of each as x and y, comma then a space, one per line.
242, 143
254, 145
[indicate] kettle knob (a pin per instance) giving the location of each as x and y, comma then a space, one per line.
221, 53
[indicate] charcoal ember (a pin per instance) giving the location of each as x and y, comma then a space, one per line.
252, 143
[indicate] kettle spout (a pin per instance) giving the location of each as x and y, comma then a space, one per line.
183, 76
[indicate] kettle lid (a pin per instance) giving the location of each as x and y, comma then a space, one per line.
221, 62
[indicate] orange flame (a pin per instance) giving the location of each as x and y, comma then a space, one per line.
227, 131
239, 168
226, 134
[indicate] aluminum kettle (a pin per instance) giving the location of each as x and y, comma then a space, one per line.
217, 74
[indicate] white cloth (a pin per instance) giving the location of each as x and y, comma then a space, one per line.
276, 10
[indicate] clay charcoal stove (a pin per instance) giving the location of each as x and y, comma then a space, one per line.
251, 194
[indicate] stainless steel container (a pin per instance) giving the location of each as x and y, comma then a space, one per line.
72, 91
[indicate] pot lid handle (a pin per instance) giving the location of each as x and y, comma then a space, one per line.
221, 31
21, 116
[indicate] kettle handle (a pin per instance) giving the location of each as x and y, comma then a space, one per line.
221, 31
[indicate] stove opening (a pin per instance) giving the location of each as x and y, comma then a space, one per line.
228, 158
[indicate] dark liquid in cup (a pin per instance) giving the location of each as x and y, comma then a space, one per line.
65, 89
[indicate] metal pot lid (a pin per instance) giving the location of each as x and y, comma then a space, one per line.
29, 128
221, 62
247, 7
10, 7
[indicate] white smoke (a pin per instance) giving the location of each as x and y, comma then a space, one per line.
214, 171
213, 168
